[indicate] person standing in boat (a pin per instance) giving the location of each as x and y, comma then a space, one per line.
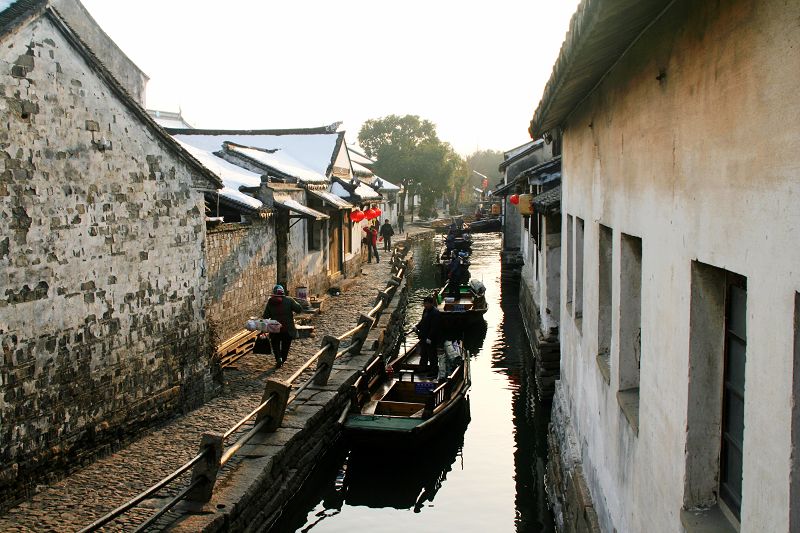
282, 308
455, 272
429, 332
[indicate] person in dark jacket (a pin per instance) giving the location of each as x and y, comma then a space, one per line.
386, 232
401, 219
282, 308
455, 272
430, 335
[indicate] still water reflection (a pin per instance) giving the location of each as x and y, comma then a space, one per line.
483, 473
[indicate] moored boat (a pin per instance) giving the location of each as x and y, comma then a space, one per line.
468, 302
400, 400
485, 225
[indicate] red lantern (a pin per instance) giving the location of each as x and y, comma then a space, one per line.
514, 199
378, 212
357, 216
370, 213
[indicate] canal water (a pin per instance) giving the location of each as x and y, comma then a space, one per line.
484, 473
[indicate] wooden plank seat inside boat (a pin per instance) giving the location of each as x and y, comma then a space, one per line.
399, 398
459, 304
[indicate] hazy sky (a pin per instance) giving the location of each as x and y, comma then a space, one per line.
475, 68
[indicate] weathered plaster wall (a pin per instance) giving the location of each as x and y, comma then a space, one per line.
242, 269
102, 271
691, 144
307, 268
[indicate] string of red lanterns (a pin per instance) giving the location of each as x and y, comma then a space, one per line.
371, 213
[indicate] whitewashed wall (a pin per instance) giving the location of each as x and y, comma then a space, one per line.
702, 166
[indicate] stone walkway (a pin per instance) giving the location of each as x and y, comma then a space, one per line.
89, 493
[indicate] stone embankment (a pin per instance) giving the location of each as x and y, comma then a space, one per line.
89, 493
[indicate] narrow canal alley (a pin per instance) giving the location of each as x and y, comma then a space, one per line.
485, 474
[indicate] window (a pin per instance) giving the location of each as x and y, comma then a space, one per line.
604, 254
630, 327
570, 263
314, 230
578, 269
731, 456
715, 417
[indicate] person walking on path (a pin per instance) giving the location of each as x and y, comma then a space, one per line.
386, 232
428, 330
282, 308
401, 219
371, 240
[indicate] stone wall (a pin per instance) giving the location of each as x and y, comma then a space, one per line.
241, 272
567, 491
102, 325
124, 70
545, 348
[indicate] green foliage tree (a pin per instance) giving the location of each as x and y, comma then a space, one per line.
486, 162
409, 152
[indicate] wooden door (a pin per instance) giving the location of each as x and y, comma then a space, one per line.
335, 244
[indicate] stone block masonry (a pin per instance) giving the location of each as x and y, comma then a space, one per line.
102, 269
241, 272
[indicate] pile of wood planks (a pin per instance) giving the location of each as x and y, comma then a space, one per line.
229, 351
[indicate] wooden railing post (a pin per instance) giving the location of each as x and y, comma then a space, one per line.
276, 408
361, 336
205, 471
325, 361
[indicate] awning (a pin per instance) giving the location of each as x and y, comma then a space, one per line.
549, 202
303, 211
506, 189
330, 199
544, 173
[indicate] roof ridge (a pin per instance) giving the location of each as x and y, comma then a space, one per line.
320, 130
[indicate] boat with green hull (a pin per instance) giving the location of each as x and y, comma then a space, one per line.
400, 400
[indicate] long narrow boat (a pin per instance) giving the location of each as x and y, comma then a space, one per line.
468, 303
398, 401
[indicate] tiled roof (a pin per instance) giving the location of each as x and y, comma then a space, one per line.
286, 201
519, 154
548, 202
600, 32
543, 172
331, 199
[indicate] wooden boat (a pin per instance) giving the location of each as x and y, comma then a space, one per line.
485, 225
469, 303
410, 488
443, 262
398, 400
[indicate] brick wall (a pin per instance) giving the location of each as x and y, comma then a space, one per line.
241, 271
102, 269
